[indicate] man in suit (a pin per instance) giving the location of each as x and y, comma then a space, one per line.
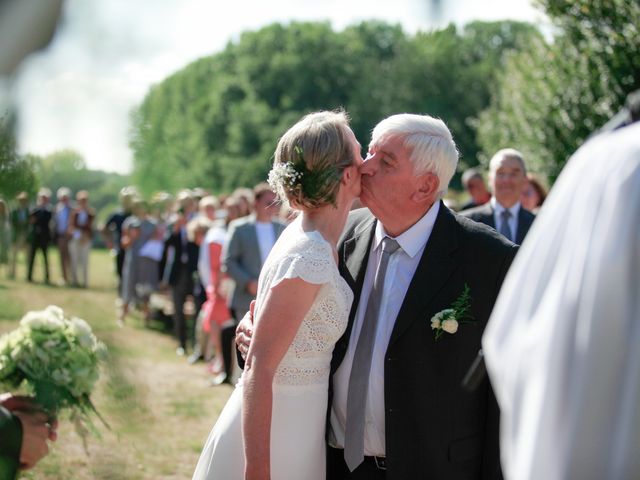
180, 258
40, 232
249, 241
418, 421
507, 179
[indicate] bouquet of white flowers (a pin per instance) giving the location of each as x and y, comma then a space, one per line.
57, 360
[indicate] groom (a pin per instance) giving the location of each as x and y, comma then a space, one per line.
401, 413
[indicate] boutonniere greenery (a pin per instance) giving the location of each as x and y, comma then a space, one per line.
449, 319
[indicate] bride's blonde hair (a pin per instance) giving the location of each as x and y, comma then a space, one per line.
309, 160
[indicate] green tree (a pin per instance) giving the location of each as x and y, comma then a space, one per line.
16, 171
216, 122
552, 96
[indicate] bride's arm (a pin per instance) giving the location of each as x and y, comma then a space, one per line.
275, 328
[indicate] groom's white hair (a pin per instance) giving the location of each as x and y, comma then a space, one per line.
430, 141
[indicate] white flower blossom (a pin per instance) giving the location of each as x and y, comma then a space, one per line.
281, 175
82, 330
56, 311
49, 348
450, 325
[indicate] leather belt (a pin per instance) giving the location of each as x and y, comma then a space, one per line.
379, 462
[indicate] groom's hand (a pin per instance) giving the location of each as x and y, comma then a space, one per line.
244, 331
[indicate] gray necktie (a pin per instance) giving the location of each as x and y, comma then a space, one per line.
504, 226
359, 379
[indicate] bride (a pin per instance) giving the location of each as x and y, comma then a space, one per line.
273, 426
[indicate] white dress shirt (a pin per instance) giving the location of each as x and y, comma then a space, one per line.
513, 219
402, 265
266, 238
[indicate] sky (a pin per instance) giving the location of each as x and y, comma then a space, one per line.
79, 91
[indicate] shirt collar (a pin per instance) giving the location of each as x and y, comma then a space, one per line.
415, 238
498, 208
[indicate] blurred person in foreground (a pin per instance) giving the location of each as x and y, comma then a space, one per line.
273, 426
504, 212
563, 344
398, 410
24, 432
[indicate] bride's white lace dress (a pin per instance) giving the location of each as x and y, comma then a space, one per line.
300, 386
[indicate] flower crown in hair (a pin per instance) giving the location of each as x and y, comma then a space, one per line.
316, 185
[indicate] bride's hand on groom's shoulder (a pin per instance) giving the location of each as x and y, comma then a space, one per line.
244, 331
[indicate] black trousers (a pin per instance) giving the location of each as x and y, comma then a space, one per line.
32, 256
227, 334
182, 288
337, 468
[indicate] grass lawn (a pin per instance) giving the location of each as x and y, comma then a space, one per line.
160, 408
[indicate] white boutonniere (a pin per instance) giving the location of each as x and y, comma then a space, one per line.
448, 320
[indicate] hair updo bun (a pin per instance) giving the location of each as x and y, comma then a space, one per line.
310, 158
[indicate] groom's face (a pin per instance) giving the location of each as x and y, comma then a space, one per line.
387, 179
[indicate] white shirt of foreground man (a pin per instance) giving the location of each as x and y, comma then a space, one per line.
563, 343
400, 272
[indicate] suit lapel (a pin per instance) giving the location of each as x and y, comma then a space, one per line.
434, 269
354, 261
488, 212
523, 225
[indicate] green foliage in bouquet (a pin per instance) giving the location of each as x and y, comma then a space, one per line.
57, 360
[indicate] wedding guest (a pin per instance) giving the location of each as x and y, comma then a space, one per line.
81, 233
143, 251
40, 232
19, 231
507, 179
534, 193
215, 312
207, 208
245, 197
112, 231
61, 219
196, 231
181, 264
5, 234
249, 241
24, 431
473, 183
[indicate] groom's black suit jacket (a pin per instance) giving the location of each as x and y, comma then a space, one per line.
434, 428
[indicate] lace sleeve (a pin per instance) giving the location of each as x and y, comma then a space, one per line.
313, 263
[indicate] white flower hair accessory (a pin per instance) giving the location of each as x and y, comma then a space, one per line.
449, 319
281, 175
317, 185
